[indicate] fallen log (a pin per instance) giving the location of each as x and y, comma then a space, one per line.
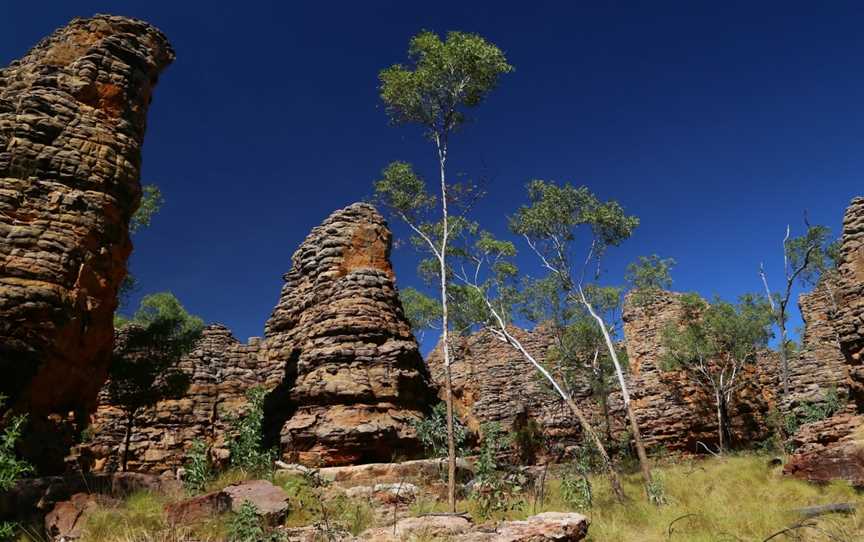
821, 510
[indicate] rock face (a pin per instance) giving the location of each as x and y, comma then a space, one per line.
849, 320
834, 448
352, 366
221, 370
492, 382
672, 412
72, 120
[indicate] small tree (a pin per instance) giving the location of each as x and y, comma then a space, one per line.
805, 258
444, 80
553, 223
144, 365
713, 344
649, 275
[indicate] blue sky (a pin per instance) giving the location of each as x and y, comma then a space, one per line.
716, 123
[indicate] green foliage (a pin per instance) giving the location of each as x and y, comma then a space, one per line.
716, 331
656, 492
556, 214
246, 448
432, 432
403, 191
491, 490
143, 368
247, 526
648, 276
199, 470
422, 311
811, 253
151, 202
11, 468
816, 411
442, 80
576, 489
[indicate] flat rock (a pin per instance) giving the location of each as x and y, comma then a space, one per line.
270, 500
66, 520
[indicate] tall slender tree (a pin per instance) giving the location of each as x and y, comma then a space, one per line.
441, 83
805, 258
556, 219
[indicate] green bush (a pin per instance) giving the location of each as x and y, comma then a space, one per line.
492, 491
432, 432
199, 471
11, 468
247, 452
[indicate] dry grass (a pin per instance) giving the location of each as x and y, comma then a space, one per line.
737, 498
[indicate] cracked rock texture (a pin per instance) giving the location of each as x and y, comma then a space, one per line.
352, 366
72, 120
492, 382
834, 448
221, 370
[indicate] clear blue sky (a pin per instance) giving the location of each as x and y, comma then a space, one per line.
716, 124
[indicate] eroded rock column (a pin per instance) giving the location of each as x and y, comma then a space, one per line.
72, 120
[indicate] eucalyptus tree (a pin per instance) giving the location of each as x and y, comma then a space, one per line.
488, 275
713, 343
805, 259
441, 83
649, 275
570, 230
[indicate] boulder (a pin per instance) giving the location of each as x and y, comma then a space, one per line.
67, 519
441, 527
418, 470
72, 119
270, 501
545, 527
353, 372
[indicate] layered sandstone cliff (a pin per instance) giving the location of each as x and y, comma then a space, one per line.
352, 366
72, 120
220, 369
492, 382
834, 448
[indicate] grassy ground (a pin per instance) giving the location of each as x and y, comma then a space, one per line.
737, 498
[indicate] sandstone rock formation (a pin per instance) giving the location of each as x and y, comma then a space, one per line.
673, 413
72, 120
492, 382
352, 366
849, 320
221, 370
834, 448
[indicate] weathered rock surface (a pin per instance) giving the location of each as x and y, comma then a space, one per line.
352, 366
492, 382
67, 519
833, 449
221, 370
72, 120
270, 501
849, 320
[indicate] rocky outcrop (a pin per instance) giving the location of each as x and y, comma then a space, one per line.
833, 449
352, 366
849, 320
492, 382
820, 365
673, 413
221, 370
72, 119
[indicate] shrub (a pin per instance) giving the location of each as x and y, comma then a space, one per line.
199, 471
11, 468
432, 432
246, 449
491, 490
